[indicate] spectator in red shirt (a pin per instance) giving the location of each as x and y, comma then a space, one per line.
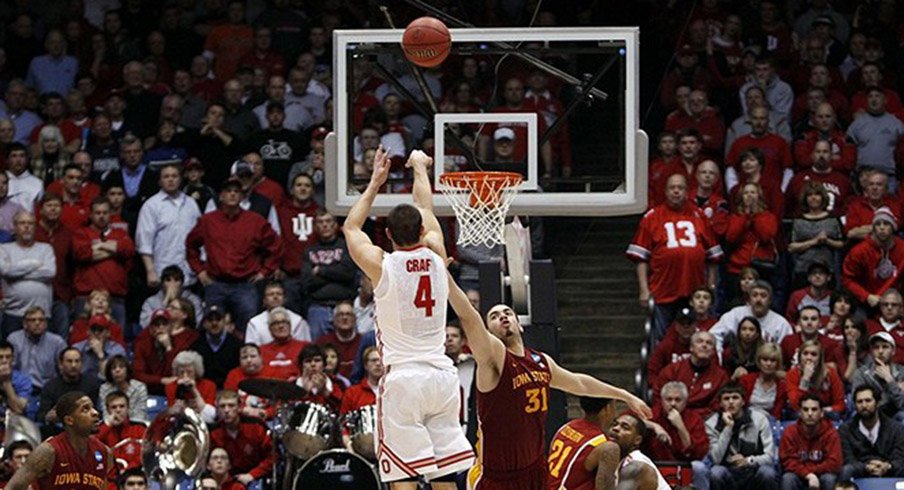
836, 184
680, 434
280, 355
344, 337
889, 321
752, 233
251, 365
156, 347
103, 257
858, 219
296, 218
843, 156
810, 450
675, 346
751, 165
675, 252
707, 195
873, 265
74, 214
218, 476
191, 389
97, 311
700, 373
662, 167
812, 375
777, 161
363, 394
702, 117
228, 43
807, 328
246, 440
242, 249
817, 294
117, 428
871, 76
50, 230
689, 145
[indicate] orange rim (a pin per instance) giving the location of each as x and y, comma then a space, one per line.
486, 187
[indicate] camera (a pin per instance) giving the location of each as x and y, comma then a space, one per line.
182, 391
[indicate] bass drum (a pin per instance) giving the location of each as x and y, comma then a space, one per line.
336, 469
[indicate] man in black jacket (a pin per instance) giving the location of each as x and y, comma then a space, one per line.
872, 444
328, 274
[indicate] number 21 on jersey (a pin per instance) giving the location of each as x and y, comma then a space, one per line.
681, 234
423, 297
558, 453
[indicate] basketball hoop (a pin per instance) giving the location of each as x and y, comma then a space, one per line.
480, 201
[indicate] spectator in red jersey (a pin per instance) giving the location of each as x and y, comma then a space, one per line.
679, 433
817, 294
858, 219
364, 393
661, 167
751, 167
873, 265
675, 346
707, 196
807, 328
704, 118
246, 440
242, 249
344, 336
675, 251
103, 257
319, 387
701, 373
156, 347
251, 366
752, 232
280, 355
836, 184
218, 476
739, 354
296, 218
889, 321
191, 389
812, 375
117, 427
777, 161
810, 450
843, 154
764, 388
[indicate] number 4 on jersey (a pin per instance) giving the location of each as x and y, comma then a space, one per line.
423, 298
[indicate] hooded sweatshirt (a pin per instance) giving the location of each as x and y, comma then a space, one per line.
803, 453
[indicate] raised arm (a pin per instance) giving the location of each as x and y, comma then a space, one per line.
583, 385
38, 465
422, 193
366, 255
488, 351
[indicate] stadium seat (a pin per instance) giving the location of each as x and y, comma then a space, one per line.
879, 483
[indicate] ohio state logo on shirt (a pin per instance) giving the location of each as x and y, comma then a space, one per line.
302, 226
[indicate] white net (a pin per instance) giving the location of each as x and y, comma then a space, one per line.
480, 201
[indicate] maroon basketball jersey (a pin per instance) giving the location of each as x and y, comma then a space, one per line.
73, 471
512, 416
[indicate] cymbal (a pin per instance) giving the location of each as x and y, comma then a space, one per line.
272, 389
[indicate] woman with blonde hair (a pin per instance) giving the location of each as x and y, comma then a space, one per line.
812, 375
751, 234
50, 155
766, 389
97, 310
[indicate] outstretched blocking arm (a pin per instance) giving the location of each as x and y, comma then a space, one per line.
422, 193
488, 351
39, 464
579, 384
366, 255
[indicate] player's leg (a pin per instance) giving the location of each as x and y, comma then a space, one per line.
454, 453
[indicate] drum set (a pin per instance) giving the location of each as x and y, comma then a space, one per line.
309, 435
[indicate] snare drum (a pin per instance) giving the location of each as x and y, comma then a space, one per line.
361, 425
336, 469
310, 429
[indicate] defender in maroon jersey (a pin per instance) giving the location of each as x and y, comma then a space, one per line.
580, 455
513, 385
73, 460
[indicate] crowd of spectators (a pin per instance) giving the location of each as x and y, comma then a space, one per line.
775, 200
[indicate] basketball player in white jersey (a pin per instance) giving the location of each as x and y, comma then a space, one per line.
636, 471
418, 431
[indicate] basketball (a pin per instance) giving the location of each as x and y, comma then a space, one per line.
426, 42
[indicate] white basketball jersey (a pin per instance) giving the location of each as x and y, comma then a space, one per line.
411, 300
642, 458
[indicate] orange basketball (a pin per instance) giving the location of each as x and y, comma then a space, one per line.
426, 42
